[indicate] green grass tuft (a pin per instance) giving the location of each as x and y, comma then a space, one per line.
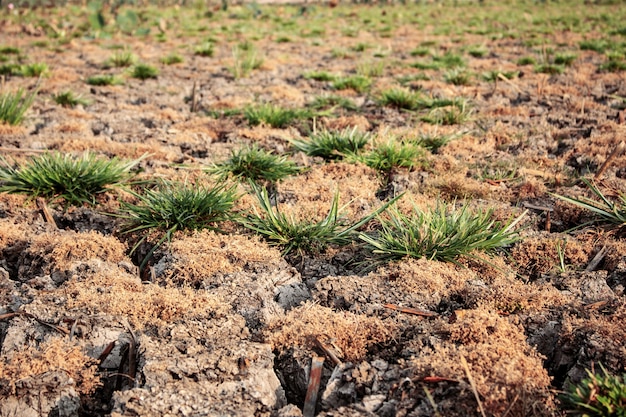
274, 116
13, 106
104, 79
69, 99
255, 164
391, 155
605, 209
172, 207
121, 59
76, 180
144, 72
358, 83
305, 236
444, 233
597, 395
333, 144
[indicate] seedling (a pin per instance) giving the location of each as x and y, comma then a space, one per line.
255, 164
434, 142
13, 106
272, 115
604, 208
172, 59
358, 83
36, 69
172, 207
332, 101
449, 115
457, 76
104, 79
391, 155
566, 59
304, 236
205, 49
121, 59
69, 99
526, 60
55, 176
245, 60
319, 76
444, 233
370, 69
597, 395
330, 144
401, 99
144, 72
478, 51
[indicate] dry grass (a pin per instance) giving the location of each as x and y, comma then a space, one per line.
352, 333
507, 371
113, 291
206, 253
60, 251
55, 354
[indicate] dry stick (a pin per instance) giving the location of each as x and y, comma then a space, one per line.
43, 207
315, 378
413, 311
472, 384
194, 100
327, 351
616, 152
509, 82
106, 352
18, 150
597, 259
30, 316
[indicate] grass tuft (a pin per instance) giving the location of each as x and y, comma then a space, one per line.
69, 99
391, 155
305, 236
333, 144
121, 59
104, 79
444, 233
358, 83
597, 395
272, 115
255, 164
144, 72
172, 207
606, 209
13, 106
76, 180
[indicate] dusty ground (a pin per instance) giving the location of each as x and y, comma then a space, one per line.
226, 325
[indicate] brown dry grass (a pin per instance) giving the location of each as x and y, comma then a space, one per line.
55, 354
113, 291
10, 233
206, 253
352, 333
507, 371
61, 250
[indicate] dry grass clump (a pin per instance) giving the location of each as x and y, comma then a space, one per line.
61, 250
537, 255
54, 355
351, 333
430, 279
357, 185
10, 233
508, 373
598, 338
206, 253
116, 292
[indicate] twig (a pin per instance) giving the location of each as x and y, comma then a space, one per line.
472, 384
43, 207
509, 82
106, 352
431, 400
30, 316
20, 150
413, 311
597, 259
327, 351
194, 99
315, 378
616, 152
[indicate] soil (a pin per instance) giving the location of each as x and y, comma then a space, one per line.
224, 324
